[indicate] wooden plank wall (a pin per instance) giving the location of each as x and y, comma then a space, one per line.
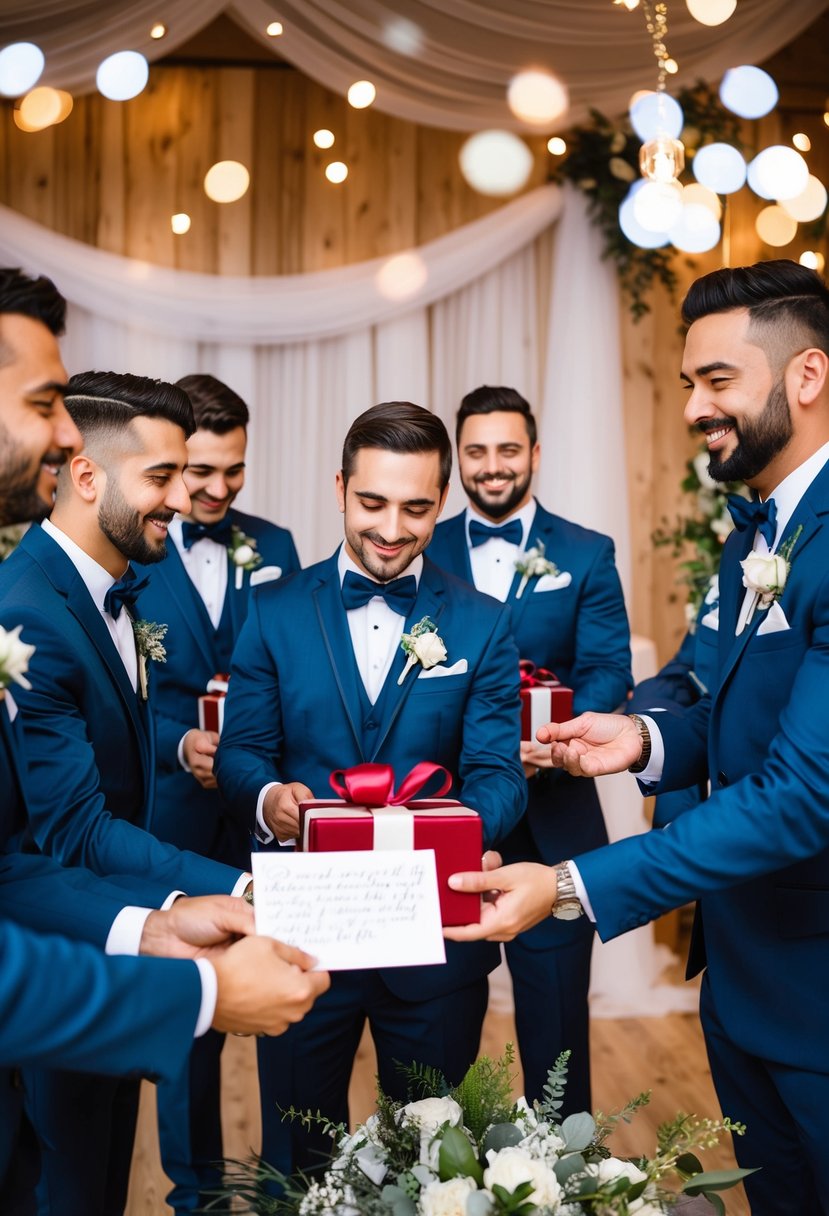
112, 175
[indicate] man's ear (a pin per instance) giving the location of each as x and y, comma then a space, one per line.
811, 369
88, 478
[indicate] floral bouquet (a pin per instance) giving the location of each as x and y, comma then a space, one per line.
472, 1151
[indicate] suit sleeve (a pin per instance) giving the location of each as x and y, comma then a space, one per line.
65, 1005
491, 776
672, 684
601, 674
169, 733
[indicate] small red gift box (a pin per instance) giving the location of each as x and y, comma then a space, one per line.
212, 704
543, 699
369, 815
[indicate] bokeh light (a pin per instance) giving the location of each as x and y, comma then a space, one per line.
496, 163
226, 181
122, 76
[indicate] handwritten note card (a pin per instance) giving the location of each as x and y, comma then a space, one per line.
352, 910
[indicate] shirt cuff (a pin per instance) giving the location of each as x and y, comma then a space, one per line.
180, 753
124, 936
171, 899
241, 884
209, 996
262, 832
581, 891
652, 773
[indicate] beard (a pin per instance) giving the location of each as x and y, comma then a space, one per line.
497, 509
123, 526
386, 570
760, 439
20, 501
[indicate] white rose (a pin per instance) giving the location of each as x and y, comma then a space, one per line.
243, 555
431, 1113
446, 1198
14, 658
765, 573
430, 651
612, 1168
512, 1166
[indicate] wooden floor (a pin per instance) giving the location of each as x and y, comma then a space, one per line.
664, 1054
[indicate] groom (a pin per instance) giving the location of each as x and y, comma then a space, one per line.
756, 853
316, 687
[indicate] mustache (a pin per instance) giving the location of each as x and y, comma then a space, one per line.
161, 517
713, 424
479, 478
390, 544
59, 457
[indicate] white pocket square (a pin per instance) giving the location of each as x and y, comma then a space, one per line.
711, 620
265, 574
553, 582
774, 621
433, 673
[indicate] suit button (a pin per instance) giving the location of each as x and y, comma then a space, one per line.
722, 778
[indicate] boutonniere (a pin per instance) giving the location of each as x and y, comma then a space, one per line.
766, 574
423, 646
242, 552
148, 641
532, 564
14, 659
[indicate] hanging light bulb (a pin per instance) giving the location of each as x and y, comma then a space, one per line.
711, 12
662, 159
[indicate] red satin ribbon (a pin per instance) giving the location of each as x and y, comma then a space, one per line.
373, 784
536, 677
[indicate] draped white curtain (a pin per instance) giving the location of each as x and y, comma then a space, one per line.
516, 298
443, 65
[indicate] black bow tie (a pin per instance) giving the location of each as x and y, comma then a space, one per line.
479, 533
221, 532
124, 593
753, 513
400, 594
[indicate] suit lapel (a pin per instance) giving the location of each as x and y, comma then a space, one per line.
328, 602
459, 560
541, 530
8, 741
238, 596
191, 604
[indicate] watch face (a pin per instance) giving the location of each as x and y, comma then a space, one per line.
568, 909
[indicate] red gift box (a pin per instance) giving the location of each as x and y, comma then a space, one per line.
369, 815
212, 705
543, 699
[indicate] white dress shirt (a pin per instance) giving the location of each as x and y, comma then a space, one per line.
493, 562
206, 566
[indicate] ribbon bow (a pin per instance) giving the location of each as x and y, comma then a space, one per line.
373, 784
753, 513
536, 677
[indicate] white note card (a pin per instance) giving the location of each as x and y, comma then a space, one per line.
352, 910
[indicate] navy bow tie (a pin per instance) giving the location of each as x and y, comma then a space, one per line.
221, 532
124, 593
755, 514
479, 534
400, 594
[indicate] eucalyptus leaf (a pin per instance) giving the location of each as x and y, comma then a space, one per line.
565, 1167
404, 1207
689, 1164
502, 1135
577, 1131
478, 1203
457, 1159
714, 1180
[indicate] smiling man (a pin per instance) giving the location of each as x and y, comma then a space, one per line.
316, 686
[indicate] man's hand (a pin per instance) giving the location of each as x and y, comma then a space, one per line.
199, 748
534, 757
515, 898
281, 809
593, 744
197, 928
264, 986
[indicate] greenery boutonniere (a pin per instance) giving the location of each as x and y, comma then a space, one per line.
422, 645
531, 564
14, 659
766, 574
148, 640
242, 550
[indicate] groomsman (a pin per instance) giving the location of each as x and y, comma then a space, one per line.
756, 852
62, 1003
316, 686
572, 622
202, 591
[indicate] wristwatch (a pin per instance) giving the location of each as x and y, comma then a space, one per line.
645, 735
568, 906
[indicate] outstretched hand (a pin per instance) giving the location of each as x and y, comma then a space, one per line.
593, 744
199, 927
515, 898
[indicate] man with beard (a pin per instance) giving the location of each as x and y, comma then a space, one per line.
572, 622
756, 852
319, 682
89, 740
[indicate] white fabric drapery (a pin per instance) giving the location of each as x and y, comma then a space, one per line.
440, 65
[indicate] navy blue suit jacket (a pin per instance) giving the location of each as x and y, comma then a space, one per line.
186, 814
89, 739
757, 851
581, 633
295, 713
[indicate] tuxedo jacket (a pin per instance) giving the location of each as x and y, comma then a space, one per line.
297, 710
186, 814
757, 851
579, 631
89, 738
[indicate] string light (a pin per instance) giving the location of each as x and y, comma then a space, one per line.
180, 223
226, 181
537, 97
324, 138
20, 66
495, 163
812, 259
122, 76
556, 146
158, 30
43, 107
802, 142
336, 172
274, 29
711, 12
361, 94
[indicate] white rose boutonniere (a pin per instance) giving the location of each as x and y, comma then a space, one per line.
422, 645
766, 574
533, 564
14, 659
148, 640
243, 554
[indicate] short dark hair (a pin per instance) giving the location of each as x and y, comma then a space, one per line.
398, 426
37, 298
109, 401
490, 400
779, 295
216, 407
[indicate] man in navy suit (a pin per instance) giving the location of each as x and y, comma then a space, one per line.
756, 852
202, 594
317, 685
573, 623
61, 1003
